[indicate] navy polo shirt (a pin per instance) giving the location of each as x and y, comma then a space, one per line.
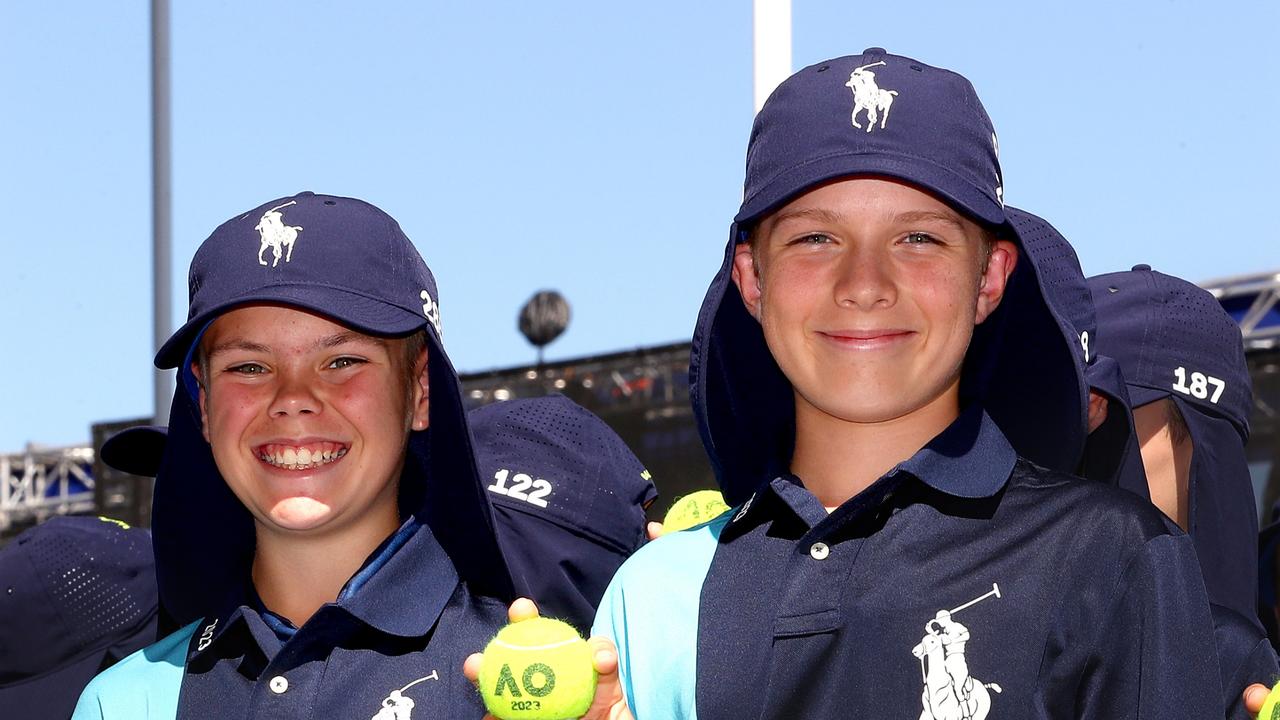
391, 647
965, 582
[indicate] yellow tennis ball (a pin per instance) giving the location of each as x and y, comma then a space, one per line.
1271, 708
537, 669
694, 509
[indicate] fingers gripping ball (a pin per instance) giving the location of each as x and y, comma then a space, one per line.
537, 669
694, 509
1271, 707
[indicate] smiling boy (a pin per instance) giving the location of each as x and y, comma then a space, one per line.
889, 403
319, 522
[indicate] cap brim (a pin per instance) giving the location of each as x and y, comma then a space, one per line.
136, 450
368, 315
942, 182
53, 694
1140, 395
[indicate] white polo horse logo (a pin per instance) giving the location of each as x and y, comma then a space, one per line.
950, 692
276, 235
397, 705
868, 96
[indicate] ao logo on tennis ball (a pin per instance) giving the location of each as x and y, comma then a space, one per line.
537, 669
538, 679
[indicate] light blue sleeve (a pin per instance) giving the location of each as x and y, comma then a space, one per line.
143, 686
650, 611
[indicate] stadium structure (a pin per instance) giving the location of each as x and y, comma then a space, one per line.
642, 393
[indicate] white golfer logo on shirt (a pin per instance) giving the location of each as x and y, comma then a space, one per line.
397, 705
950, 692
276, 235
868, 96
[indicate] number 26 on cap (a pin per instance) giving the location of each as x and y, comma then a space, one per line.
1199, 387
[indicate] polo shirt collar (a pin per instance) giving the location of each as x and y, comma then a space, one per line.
404, 588
401, 590
971, 458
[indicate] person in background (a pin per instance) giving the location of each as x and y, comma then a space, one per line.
569, 500
77, 594
1182, 359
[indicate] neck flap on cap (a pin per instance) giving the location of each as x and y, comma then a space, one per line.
1111, 452
349, 261
882, 115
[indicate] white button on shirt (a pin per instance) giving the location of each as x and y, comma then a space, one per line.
279, 684
819, 551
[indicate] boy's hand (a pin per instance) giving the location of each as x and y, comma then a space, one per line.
609, 703
1254, 696
655, 530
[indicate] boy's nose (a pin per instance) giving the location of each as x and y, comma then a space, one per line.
294, 397
865, 281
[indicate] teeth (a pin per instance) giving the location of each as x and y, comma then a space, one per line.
299, 458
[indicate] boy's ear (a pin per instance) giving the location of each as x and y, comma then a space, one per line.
202, 400
1098, 407
421, 397
747, 277
995, 278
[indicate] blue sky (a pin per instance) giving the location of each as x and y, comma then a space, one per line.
595, 148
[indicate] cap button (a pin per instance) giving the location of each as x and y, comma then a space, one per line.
1143, 267
874, 51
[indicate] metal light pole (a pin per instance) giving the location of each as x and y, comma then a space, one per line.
161, 203
772, 46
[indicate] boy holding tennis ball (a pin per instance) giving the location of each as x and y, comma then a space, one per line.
892, 408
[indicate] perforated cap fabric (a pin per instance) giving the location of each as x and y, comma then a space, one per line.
1061, 278
569, 499
76, 593
1173, 338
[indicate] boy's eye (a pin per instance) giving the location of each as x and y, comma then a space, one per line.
919, 238
812, 239
345, 362
247, 369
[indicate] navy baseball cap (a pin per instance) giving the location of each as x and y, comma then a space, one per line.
76, 595
136, 450
1173, 340
349, 261
881, 115
874, 114
340, 257
569, 498
1111, 453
